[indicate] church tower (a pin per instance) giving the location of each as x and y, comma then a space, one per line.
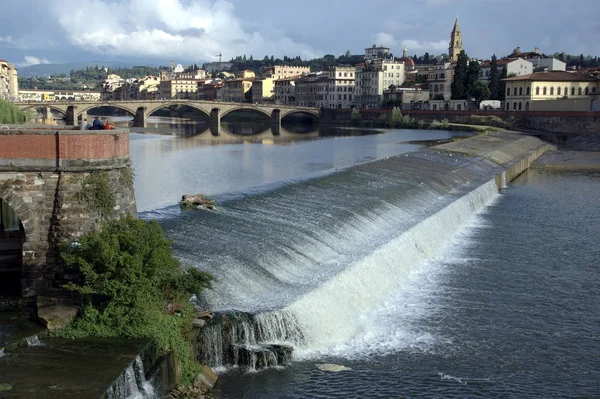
455, 42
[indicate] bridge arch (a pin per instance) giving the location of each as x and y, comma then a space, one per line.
300, 112
14, 230
247, 108
104, 105
168, 104
49, 106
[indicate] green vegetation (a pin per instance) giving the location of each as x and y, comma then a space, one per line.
11, 114
145, 291
495, 84
98, 193
127, 177
90, 78
5, 387
479, 91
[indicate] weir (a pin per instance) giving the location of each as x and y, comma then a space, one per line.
308, 264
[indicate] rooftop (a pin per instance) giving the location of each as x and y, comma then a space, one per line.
553, 76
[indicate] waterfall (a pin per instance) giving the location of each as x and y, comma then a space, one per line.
253, 342
34, 341
132, 384
337, 311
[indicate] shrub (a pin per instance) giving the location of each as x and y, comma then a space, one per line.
10, 114
146, 292
355, 118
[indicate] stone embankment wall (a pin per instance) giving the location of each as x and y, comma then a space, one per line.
62, 184
554, 122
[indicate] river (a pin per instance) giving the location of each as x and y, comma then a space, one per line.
506, 307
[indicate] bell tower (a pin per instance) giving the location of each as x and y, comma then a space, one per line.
455, 42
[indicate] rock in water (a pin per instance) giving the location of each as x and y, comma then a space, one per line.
197, 201
334, 368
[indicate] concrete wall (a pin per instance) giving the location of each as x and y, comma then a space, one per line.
45, 192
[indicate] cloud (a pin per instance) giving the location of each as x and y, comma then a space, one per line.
413, 46
191, 29
30, 60
5, 39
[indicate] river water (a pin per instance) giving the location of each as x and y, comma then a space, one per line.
502, 304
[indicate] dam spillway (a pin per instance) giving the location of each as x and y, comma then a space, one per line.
310, 261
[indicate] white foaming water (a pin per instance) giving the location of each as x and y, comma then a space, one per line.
132, 384
34, 341
337, 318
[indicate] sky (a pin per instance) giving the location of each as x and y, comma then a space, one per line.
194, 31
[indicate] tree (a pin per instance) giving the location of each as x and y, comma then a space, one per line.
504, 75
480, 91
494, 79
426, 59
145, 291
459, 83
472, 76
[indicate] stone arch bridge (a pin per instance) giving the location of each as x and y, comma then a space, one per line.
142, 109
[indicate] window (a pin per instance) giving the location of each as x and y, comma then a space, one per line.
520, 107
587, 91
537, 91
579, 91
552, 91
508, 91
572, 91
528, 91
515, 106
558, 91
545, 90
515, 91
520, 91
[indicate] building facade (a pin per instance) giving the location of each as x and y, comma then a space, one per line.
312, 90
456, 44
375, 52
59, 95
523, 91
285, 71
438, 79
341, 87
178, 88
9, 81
263, 90
515, 67
373, 77
285, 90
236, 90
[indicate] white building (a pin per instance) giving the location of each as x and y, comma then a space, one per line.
514, 67
549, 64
9, 86
374, 52
373, 77
341, 87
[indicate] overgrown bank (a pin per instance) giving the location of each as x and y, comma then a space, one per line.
396, 120
132, 286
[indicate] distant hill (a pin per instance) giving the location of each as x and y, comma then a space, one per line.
52, 69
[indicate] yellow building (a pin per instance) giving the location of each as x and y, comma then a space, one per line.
522, 92
178, 88
285, 71
246, 74
9, 82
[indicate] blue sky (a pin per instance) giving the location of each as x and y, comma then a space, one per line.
58, 31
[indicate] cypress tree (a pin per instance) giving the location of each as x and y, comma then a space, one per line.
459, 83
494, 79
502, 93
472, 77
